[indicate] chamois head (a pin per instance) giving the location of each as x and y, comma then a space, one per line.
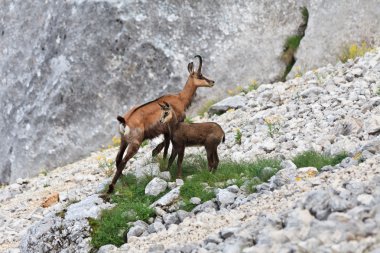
198, 79
166, 114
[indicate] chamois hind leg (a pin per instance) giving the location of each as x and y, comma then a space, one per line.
132, 150
122, 148
210, 159
216, 160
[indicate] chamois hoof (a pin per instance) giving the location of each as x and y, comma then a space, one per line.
110, 189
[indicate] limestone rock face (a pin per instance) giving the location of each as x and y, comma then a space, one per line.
69, 67
333, 25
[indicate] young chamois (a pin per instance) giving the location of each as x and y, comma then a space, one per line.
142, 122
208, 134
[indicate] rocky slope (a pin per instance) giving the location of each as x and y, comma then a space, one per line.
69, 67
331, 109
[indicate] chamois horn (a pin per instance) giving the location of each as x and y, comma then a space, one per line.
200, 63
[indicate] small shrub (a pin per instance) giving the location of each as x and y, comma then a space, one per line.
106, 164
206, 106
144, 143
355, 50
188, 120
43, 172
238, 136
273, 125
378, 91
116, 140
317, 160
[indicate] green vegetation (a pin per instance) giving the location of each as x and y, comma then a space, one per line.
355, 50
273, 124
144, 143
238, 136
378, 91
201, 181
107, 165
292, 43
131, 204
317, 160
206, 106
188, 120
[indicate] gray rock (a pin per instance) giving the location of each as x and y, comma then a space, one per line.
313, 91
156, 186
179, 182
234, 102
233, 188
157, 248
365, 199
373, 146
348, 162
168, 199
205, 207
135, 231
195, 200
225, 197
151, 170
355, 187
90, 207
228, 232
357, 72
182, 215
372, 124
107, 248
317, 202
165, 175
263, 187
282, 177
287, 164
155, 227
170, 218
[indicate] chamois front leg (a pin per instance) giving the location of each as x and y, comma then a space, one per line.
181, 153
167, 143
122, 148
172, 157
158, 149
132, 150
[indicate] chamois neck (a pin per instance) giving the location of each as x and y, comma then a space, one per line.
173, 123
188, 92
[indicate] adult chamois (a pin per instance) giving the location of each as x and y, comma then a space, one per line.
142, 122
207, 134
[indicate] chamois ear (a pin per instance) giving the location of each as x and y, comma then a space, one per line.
121, 120
162, 106
190, 67
166, 105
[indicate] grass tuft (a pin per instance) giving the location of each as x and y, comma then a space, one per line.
317, 160
201, 182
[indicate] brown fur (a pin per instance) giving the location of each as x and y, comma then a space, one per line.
208, 134
143, 121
